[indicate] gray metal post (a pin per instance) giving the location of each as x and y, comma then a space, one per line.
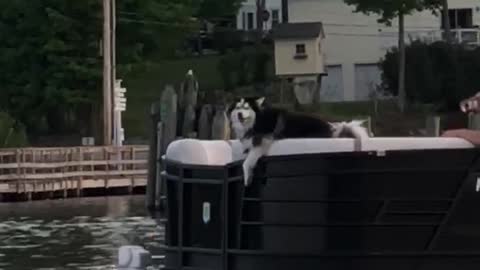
159, 183
152, 164
433, 126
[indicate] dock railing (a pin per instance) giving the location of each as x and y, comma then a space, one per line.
72, 169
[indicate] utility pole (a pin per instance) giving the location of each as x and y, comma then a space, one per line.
116, 115
446, 22
260, 5
107, 73
109, 69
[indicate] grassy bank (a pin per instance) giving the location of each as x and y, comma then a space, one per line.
144, 87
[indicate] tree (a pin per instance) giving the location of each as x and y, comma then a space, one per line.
49, 51
12, 133
439, 73
446, 22
388, 11
217, 11
150, 27
260, 5
50, 54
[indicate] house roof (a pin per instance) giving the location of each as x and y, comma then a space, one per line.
298, 30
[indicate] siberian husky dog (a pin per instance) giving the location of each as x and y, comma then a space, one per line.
257, 126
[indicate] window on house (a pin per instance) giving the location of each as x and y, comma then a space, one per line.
300, 52
300, 49
250, 20
459, 18
244, 21
275, 17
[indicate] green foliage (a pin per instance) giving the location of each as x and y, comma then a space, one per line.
226, 38
245, 67
388, 10
148, 26
226, 69
436, 73
215, 10
262, 58
50, 57
50, 51
12, 134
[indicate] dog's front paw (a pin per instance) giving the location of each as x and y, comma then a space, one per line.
247, 175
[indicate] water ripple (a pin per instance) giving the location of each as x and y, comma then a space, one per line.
74, 234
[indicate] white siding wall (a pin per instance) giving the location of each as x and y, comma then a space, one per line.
354, 38
367, 77
250, 6
332, 85
286, 64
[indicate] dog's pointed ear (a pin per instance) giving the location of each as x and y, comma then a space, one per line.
260, 101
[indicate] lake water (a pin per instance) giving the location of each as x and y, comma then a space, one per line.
74, 233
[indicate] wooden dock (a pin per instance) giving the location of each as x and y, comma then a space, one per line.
36, 173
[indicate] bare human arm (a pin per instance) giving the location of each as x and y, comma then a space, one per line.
470, 105
473, 136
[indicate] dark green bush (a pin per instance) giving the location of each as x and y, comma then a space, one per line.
12, 133
436, 73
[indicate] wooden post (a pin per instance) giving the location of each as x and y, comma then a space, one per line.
159, 183
80, 169
47, 180
190, 87
187, 96
220, 127
150, 189
132, 167
189, 122
168, 114
205, 123
474, 121
106, 156
153, 180
369, 126
64, 170
433, 126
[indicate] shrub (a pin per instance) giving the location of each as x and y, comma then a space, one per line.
436, 73
12, 133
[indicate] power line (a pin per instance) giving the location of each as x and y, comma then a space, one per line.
149, 21
388, 35
376, 26
153, 22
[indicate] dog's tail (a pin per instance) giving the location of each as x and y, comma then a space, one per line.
353, 129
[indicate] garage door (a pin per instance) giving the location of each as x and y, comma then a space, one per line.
332, 84
367, 77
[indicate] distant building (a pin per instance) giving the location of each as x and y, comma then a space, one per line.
247, 15
299, 54
354, 42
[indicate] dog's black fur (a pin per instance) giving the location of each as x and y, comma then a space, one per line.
268, 124
284, 124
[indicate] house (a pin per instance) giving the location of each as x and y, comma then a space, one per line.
298, 49
299, 56
354, 42
247, 15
